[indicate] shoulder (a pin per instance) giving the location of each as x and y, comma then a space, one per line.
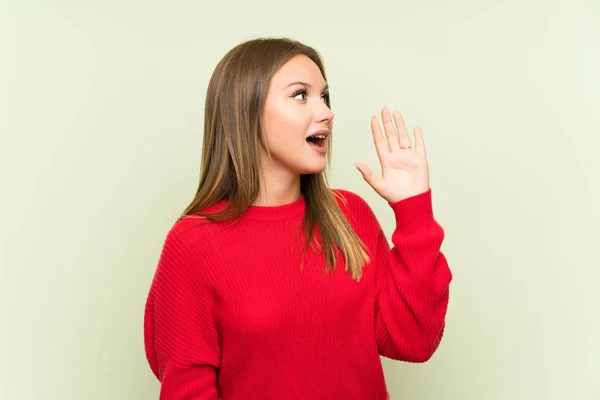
354, 205
350, 199
187, 254
190, 237
193, 227
347, 197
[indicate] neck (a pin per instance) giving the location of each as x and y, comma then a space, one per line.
276, 192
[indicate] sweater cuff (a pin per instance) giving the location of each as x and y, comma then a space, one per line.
414, 213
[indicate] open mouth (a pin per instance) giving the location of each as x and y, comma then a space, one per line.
317, 140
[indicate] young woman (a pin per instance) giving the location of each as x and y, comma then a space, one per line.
271, 285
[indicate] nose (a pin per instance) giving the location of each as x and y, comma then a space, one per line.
324, 114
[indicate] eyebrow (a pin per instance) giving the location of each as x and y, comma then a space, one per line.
308, 85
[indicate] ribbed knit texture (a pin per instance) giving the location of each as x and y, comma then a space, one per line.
231, 316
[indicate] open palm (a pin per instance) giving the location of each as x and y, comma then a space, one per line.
405, 172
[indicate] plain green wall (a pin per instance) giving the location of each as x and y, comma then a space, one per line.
101, 137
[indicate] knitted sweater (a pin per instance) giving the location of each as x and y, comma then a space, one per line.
231, 316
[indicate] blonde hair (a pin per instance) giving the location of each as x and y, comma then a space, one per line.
229, 170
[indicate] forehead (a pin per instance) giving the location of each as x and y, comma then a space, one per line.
298, 68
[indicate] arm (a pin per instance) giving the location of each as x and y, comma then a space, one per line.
181, 341
413, 281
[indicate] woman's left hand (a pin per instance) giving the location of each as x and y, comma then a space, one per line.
404, 167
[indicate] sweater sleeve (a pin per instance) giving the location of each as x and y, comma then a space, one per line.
413, 281
181, 341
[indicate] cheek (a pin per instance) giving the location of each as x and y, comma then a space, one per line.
285, 127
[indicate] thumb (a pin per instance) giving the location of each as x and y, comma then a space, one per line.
367, 174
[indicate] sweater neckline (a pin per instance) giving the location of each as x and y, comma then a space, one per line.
274, 213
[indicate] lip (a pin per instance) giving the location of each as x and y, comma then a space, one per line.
325, 132
321, 150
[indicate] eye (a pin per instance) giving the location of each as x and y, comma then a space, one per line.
300, 92
304, 93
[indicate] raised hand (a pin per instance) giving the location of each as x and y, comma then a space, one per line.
405, 172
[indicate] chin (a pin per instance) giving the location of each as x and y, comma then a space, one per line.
311, 170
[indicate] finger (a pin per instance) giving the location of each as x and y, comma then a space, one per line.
368, 175
380, 144
390, 130
419, 141
402, 133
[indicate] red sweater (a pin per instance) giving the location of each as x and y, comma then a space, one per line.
230, 315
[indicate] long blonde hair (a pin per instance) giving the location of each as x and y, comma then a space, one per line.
229, 170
